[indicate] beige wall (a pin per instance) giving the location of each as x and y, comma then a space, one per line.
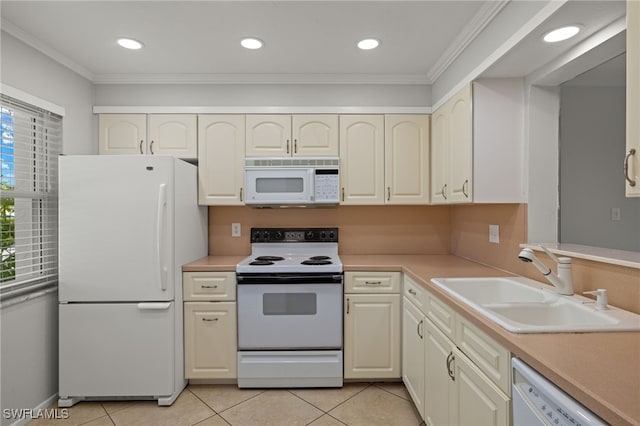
462, 230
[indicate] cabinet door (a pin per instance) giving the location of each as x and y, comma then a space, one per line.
268, 136
221, 144
439, 155
633, 98
406, 153
315, 135
413, 353
478, 400
210, 343
362, 159
459, 185
122, 134
173, 134
439, 392
372, 336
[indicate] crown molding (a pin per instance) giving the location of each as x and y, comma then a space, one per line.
44, 48
485, 15
224, 79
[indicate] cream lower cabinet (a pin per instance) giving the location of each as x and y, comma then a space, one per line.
372, 325
454, 373
210, 325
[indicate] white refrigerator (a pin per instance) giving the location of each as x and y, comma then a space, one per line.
126, 226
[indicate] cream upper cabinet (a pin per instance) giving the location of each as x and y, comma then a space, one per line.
153, 134
122, 134
406, 154
221, 145
372, 325
460, 145
362, 159
632, 156
315, 135
477, 144
173, 134
298, 135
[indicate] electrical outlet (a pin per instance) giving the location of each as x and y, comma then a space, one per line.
615, 213
236, 230
494, 234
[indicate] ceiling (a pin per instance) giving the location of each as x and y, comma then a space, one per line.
305, 41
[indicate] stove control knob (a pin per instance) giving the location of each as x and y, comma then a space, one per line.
332, 235
309, 235
323, 235
265, 235
278, 235
256, 235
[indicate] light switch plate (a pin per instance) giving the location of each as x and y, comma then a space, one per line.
494, 234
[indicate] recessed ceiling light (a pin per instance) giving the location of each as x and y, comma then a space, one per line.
251, 43
129, 43
561, 34
368, 44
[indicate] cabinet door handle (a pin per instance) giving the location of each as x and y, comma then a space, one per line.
388, 193
418, 329
450, 359
465, 187
241, 200
373, 282
210, 319
209, 286
343, 193
348, 306
151, 147
295, 146
412, 291
632, 182
141, 142
444, 191
288, 144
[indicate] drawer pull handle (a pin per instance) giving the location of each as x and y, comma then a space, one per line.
210, 319
450, 359
373, 282
412, 291
209, 286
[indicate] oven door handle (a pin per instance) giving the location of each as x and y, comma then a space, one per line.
289, 279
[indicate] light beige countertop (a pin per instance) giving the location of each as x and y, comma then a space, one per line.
601, 370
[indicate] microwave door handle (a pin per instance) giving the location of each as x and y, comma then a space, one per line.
312, 184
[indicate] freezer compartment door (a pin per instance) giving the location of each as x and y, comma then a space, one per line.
116, 233
123, 350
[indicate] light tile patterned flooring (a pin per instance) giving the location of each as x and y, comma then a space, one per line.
366, 404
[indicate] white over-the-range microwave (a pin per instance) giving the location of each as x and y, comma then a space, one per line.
304, 181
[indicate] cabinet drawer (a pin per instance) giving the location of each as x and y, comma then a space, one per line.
372, 282
415, 293
209, 286
442, 315
490, 357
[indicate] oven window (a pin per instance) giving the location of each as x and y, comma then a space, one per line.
289, 304
279, 185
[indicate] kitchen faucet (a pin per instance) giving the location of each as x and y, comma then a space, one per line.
563, 282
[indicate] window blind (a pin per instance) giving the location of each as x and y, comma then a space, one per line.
29, 150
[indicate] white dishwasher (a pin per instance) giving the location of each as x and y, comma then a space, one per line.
537, 401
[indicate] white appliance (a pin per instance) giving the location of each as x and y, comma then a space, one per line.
292, 181
126, 225
537, 401
290, 293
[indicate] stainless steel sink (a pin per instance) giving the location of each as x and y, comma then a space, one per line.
521, 305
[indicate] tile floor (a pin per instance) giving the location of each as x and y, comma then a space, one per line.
366, 404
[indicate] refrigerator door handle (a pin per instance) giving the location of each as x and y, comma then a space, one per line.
153, 306
160, 234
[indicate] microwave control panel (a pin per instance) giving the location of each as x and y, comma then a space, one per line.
327, 186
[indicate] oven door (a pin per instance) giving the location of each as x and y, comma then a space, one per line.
289, 316
278, 186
